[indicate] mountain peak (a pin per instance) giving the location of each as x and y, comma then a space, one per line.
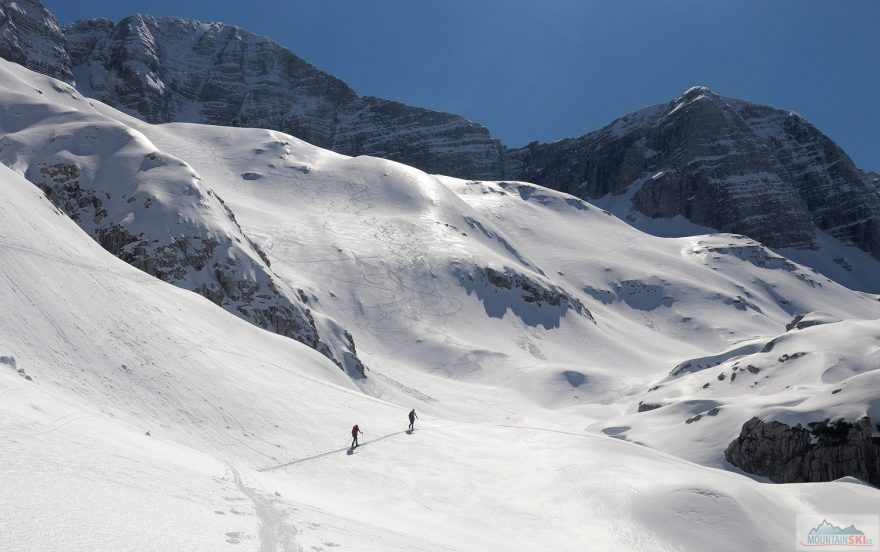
695, 93
696, 90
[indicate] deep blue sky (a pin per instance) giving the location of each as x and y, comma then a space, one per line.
547, 69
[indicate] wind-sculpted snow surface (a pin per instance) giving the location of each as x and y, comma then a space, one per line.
147, 207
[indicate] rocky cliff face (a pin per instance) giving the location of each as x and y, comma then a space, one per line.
168, 69
824, 452
823, 176
30, 36
727, 164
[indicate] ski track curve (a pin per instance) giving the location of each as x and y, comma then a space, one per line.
276, 533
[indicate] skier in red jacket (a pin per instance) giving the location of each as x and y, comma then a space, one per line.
354, 435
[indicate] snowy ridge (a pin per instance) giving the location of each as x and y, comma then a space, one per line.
148, 208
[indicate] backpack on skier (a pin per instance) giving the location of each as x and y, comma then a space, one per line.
354, 435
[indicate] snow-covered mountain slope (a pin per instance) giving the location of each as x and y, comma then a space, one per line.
728, 165
531, 296
414, 254
148, 207
246, 431
422, 261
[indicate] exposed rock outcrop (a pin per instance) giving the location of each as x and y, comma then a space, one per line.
823, 452
533, 291
535, 302
801, 321
647, 407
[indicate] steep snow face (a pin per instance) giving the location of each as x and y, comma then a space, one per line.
247, 433
31, 36
168, 69
96, 354
720, 163
431, 285
148, 208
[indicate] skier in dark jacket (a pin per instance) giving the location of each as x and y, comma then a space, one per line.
412, 419
354, 435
